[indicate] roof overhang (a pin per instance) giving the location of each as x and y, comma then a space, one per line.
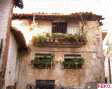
73, 16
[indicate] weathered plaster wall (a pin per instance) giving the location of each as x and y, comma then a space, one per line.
92, 71
5, 20
10, 75
72, 27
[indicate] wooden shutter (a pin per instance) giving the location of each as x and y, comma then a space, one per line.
59, 27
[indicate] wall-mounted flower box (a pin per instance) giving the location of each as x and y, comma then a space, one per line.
60, 40
43, 61
75, 63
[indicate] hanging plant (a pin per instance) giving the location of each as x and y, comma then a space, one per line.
75, 63
43, 62
59, 38
39, 41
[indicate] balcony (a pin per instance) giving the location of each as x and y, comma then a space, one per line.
59, 40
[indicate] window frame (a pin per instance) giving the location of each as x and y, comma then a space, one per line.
39, 61
73, 61
59, 27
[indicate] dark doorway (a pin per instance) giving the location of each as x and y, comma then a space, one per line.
45, 84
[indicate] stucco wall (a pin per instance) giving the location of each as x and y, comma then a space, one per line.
10, 76
5, 20
92, 71
72, 27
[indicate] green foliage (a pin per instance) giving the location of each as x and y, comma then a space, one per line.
39, 40
61, 38
43, 62
75, 63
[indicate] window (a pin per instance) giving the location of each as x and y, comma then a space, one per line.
43, 61
59, 27
45, 84
73, 61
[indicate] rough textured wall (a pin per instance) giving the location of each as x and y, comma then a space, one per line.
10, 75
92, 71
95, 43
5, 20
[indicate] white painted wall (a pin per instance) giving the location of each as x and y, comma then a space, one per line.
72, 28
10, 76
42, 27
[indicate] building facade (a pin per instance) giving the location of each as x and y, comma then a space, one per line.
66, 50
